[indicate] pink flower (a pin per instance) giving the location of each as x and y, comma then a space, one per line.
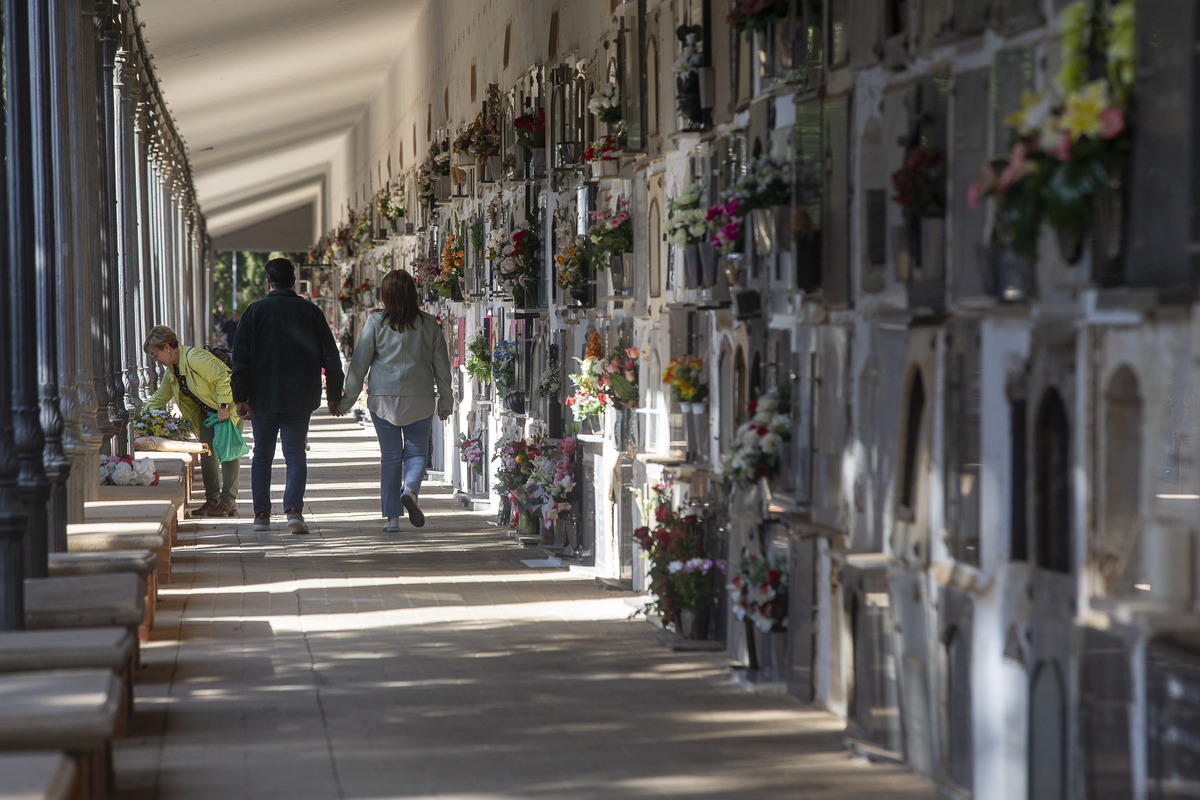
714, 212
567, 446
730, 231
1017, 168
1112, 122
981, 186
629, 375
1063, 151
731, 208
632, 352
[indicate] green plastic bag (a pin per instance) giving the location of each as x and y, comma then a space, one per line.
228, 444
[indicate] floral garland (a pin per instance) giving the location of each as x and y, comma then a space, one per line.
684, 375
162, 423
756, 446
127, 471
1069, 145
606, 104
759, 591
611, 231
686, 221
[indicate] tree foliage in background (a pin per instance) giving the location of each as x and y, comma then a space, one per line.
251, 278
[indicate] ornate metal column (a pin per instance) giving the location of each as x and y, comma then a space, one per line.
126, 89
106, 50
149, 295
21, 76
46, 122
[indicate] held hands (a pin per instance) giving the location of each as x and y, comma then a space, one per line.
332, 405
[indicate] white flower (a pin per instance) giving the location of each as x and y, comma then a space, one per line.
748, 438
770, 442
767, 403
674, 566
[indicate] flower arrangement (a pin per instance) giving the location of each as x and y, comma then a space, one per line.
687, 71
127, 471
606, 103
163, 424
611, 231
479, 358
756, 444
675, 537
504, 365
753, 15
520, 266
603, 149
686, 221
618, 375
759, 591
494, 243
551, 381
389, 202
531, 129
572, 264
346, 296
921, 182
589, 398
439, 158
426, 187
425, 271
470, 450
452, 265
362, 229
765, 184
726, 226
692, 581
539, 477
1070, 144
684, 375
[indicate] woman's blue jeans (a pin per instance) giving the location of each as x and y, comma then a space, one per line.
404, 451
292, 429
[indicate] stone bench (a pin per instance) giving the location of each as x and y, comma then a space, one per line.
69, 710
38, 775
98, 537
73, 648
139, 562
86, 601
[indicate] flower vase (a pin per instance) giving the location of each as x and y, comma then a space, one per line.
763, 230
456, 293
441, 189
708, 264
464, 159
537, 162
1108, 235
773, 662
692, 266
605, 168
582, 296
696, 421
616, 269
527, 526
693, 623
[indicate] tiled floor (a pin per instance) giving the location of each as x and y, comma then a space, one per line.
435, 664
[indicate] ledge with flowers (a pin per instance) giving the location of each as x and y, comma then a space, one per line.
537, 476
605, 380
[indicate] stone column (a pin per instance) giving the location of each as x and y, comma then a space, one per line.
126, 90
148, 295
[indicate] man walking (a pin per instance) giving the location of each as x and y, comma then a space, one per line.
281, 345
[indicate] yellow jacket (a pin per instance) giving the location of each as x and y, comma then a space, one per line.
206, 377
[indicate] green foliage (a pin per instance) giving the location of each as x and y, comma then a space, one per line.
251, 278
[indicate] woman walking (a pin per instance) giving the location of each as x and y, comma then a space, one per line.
404, 351
198, 382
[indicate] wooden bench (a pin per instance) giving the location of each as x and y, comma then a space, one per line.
74, 711
38, 775
139, 562
73, 648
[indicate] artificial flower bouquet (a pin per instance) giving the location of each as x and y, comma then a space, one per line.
425, 271
759, 591
451, 269
504, 365
618, 375
127, 471
479, 358
1069, 144
470, 450
686, 221
494, 243
674, 538
603, 149
693, 580
531, 129
520, 265
589, 398
551, 381
766, 183
725, 224
162, 423
606, 103
572, 263
757, 444
685, 376
611, 232
751, 15
686, 70
439, 159
539, 476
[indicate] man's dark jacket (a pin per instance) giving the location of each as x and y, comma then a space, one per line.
282, 342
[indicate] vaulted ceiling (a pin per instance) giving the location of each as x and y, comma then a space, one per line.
265, 92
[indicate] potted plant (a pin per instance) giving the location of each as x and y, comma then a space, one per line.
694, 582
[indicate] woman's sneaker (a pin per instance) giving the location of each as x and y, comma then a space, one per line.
296, 523
262, 522
393, 525
409, 501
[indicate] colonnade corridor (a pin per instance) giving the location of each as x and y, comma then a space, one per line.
437, 663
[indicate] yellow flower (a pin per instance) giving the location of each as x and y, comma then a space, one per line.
1082, 117
1034, 110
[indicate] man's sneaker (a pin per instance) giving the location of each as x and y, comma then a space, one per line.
296, 523
393, 525
415, 515
262, 522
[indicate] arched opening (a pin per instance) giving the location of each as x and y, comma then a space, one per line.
914, 411
739, 386
1121, 493
1047, 735
1052, 485
655, 244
